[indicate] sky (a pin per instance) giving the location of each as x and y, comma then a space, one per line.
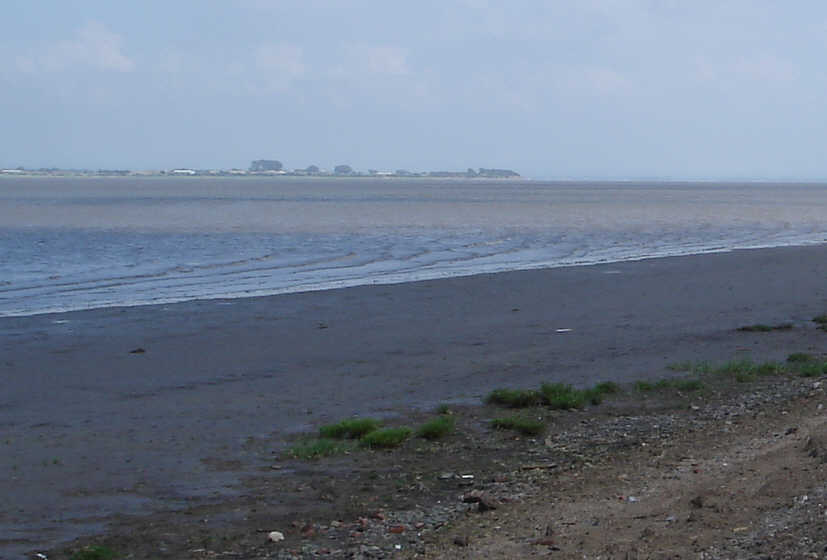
580, 89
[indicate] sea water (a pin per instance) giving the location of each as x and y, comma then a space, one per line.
80, 243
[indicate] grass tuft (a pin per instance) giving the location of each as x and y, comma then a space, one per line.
644, 386
680, 366
524, 425
766, 328
443, 409
317, 448
688, 384
562, 396
385, 439
351, 428
607, 388
436, 428
95, 552
800, 357
813, 369
514, 398
664, 384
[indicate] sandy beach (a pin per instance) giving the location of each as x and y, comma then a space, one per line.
127, 411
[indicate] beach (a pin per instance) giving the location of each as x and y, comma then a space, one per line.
126, 411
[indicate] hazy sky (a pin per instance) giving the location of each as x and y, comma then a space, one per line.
582, 88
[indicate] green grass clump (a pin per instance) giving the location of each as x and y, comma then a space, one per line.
387, 438
664, 384
351, 428
734, 367
436, 428
443, 409
314, 449
688, 384
524, 425
820, 319
688, 366
562, 396
94, 553
745, 376
607, 388
813, 369
755, 328
766, 328
514, 398
644, 386
800, 357
746, 370
680, 366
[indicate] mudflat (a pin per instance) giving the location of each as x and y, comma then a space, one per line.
135, 411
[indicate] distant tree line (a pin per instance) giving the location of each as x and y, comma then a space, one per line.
272, 165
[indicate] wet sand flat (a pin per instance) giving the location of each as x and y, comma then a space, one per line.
90, 429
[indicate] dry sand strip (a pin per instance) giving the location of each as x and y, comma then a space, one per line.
748, 486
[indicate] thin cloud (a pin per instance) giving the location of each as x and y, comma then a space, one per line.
93, 47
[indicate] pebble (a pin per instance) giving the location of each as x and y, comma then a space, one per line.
275, 536
461, 541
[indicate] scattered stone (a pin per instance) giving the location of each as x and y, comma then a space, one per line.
815, 448
275, 536
697, 502
484, 501
137, 351
543, 542
461, 541
396, 529
308, 531
446, 476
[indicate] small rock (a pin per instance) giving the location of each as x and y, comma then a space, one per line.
378, 515
446, 476
461, 541
137, 351
815, 448
275, 536
697, 502
308, 531
396, 529
484, 501
543, 542
633, 499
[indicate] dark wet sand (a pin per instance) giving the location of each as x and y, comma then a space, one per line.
88, 429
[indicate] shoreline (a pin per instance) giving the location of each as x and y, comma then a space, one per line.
410, 279
130, 432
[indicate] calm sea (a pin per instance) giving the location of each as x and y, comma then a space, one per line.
68, 244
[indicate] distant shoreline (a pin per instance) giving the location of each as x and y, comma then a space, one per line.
482, 173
